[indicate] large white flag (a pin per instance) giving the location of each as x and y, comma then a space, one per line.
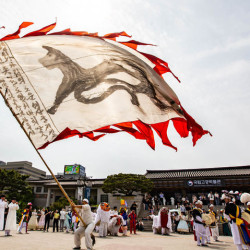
57, 84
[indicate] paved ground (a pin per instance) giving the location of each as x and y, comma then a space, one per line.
142, 241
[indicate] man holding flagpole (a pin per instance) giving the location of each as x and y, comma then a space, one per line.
86, 215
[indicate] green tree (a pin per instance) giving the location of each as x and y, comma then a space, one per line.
14, 184
62, 202
127, 184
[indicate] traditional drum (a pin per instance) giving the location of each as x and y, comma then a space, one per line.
207, 218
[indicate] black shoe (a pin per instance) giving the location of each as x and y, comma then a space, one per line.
77, 248
204, 245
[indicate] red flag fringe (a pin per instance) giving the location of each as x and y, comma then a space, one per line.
144, 131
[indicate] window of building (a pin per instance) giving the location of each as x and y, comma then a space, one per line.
38, 189
104, 198
45, 190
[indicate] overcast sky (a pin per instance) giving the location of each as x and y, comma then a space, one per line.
207, 45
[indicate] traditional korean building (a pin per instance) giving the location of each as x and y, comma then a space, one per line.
173, 183
185, 182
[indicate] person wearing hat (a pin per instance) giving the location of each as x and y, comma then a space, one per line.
11, 217
3, 205
25, 218
86, 215
224, 222
102, 218
214, 227
233, 214
199, 223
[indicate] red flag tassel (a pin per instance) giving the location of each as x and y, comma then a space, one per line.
42, 31
196, 129
146, 130
161, 129
16, 34
161, 66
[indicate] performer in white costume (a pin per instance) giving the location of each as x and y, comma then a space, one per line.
103, 215
11, 217
115, 222
85, 212
94, 218
3, 205
156, 227
199, 223
214, 225
207, 234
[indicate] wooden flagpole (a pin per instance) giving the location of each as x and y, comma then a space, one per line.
58, 183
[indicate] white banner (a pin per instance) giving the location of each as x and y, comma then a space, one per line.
84, 83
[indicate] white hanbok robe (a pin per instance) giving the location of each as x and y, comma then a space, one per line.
156, 227
3, 205
11, 217
103, 217
235, 231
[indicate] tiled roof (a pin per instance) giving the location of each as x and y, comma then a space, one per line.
206, 172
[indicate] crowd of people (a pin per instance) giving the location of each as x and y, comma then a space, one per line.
187, 217
153, 201
104, 221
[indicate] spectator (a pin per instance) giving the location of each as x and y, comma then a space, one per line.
176, 221
74, 221
211, 197
151, 208
47, 219
140, 225
144, 202
156, 200
183, 199
161, 195
133, 207
172, 201
217, 198
183, 209
56, 217
194, 198
62, 219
